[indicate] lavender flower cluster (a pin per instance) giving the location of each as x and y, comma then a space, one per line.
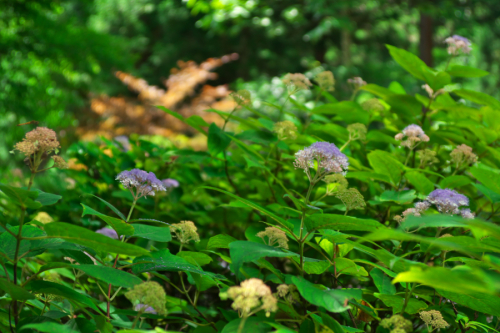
458, 43
446, 201
145, 183
328, 157
413, 135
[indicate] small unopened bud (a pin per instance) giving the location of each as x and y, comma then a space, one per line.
326, 81
59, 162
274, 236
434, 319
351, 198
185, 231
285, 130
373, 104
357, 131
296, 82
463, 155
335, 182
356, 82
148, 293
251, 294
242, 97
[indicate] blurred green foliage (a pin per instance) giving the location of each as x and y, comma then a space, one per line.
56, 54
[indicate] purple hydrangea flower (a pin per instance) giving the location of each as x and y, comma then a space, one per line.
111, 233
447, 201
144, 182
328, 156
458, 43
170, 183
467, 214
144, 309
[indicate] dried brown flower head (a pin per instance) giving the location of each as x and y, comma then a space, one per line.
40, 140
59, 162
463, 155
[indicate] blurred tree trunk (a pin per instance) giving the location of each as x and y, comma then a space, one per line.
426, 39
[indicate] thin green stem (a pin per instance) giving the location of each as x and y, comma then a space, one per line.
136, 319
408, 296
241, 326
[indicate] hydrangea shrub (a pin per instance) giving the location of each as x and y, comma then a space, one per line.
376, 214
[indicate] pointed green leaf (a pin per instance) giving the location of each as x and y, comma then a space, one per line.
244, 251
466, 71
98, 242
52, 288
221, 241
158, 234
384, 163
120, 226
397, 302
383, 282
332, 300
15, 292
111, 275
340, 222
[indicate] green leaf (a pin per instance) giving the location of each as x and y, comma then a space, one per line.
489, 304
193, 122
98, 242
478, 97
461, 279
221, 241
340, 222
47, 327
400, 197
217, 140
111, 275
488, 178
21, 197
47, 199
313, 266
397, 303
382, 282
120, 226
52, 288
410, 62
253, 205
377, 90
244, 251
466, 71
421, 183
384, 163
110, 206
332, 300
158, 234
349, 267
198, 257
163, 260
368, 177
347, 111
492, 196
15, 292
252, 325
452, 182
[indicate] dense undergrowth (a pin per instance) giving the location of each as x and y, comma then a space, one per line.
377, 214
